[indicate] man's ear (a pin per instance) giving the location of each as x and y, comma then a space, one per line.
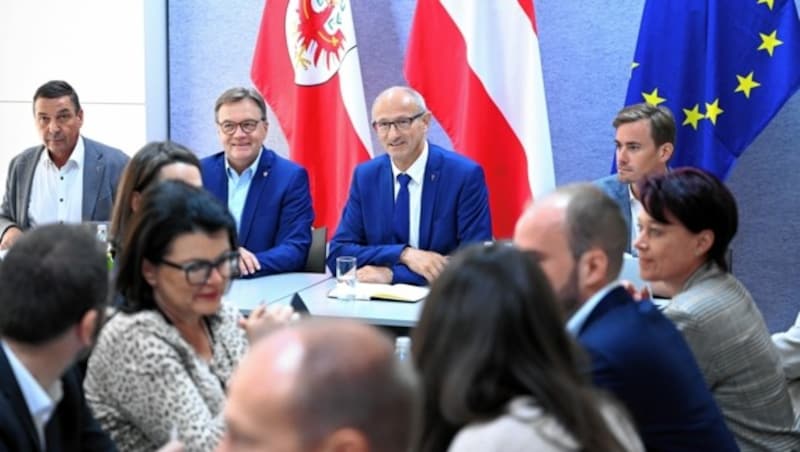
665, 152
345, 440
592, 269
87, 326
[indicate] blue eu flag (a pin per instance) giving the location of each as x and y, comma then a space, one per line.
724, 68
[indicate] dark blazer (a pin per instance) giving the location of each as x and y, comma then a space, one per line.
102, 166
619, 192
455, 212
641, 358
277, 215
72, 427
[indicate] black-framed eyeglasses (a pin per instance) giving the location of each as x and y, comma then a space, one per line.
248, 126
198, 271
400, 123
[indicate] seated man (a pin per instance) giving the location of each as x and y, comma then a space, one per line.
54, 283
645, 137
410, 208
637, 354
267, 194
74, 181
321, 385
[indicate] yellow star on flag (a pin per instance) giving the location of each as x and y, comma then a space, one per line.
652, 98
713, 110
693, 116
746, 83
769, 3
769, 42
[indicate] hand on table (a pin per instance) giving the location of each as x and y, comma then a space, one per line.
9, 237
429, 264
374, 274
248, 263
264, 319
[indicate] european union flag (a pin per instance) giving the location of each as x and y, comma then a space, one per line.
724, 68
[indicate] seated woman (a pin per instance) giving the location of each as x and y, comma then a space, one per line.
162, 363
156, 161
687, 223
498, 369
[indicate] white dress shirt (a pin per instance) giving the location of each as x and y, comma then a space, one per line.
57, 193
577, 320
417, 173
636, 207
41, 403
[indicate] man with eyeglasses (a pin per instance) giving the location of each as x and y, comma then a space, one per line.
411, 207
76, 178
267, 194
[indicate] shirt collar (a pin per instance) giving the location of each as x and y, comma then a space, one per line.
75, 158
249, 170
417, 169
41, 403
578, 319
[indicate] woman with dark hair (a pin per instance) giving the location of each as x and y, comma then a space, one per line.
687, 223
156, 161
499, 371
160, 365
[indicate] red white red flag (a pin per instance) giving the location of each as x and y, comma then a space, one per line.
306, 65
477, 64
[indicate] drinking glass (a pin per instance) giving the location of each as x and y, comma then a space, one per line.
346, 277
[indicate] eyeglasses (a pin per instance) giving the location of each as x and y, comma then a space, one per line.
198, 271
400, 123
248, 126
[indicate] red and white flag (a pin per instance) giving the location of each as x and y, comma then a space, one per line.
306, 65
477, 64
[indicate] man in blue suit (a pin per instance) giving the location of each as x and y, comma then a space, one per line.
54, 282
644, 141
578, 235
267, 194
411, 207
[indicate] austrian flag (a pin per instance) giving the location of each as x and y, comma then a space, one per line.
477, 64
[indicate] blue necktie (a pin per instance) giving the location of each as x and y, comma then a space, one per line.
400, 218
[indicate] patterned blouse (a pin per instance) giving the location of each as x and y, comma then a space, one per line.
144, 380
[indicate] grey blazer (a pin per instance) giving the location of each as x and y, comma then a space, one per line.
101, 171
619, 193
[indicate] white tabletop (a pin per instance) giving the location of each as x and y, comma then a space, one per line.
247, 294
386, 313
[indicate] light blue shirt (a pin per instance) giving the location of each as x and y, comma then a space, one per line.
577, 320
238, 187
41, 404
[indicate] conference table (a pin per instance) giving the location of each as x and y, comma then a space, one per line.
313, 288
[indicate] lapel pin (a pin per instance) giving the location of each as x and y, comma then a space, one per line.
265, 173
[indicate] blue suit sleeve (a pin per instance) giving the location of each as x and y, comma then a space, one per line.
293, 237
474, 219
351, 237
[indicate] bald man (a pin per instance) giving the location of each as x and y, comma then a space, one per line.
578, 236
319, 386
411, 207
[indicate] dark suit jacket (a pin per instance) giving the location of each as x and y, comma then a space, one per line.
641, 358
277, 215
619, 192
72, 427
102, 166
455, 212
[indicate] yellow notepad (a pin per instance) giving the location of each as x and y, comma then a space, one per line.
390, 292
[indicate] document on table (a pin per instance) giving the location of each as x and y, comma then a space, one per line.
390, 292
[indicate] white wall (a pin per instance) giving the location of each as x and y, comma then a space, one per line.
97, 46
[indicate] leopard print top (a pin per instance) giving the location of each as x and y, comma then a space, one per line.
144, 379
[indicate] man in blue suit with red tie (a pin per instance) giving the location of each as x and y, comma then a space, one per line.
578, 236
411, 207
267, 194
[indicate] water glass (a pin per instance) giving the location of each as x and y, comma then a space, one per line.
346, 277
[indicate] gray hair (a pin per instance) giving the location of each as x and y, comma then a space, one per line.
238, 94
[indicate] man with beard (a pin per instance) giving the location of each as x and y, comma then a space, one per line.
54, 286
578, 235
644, 141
